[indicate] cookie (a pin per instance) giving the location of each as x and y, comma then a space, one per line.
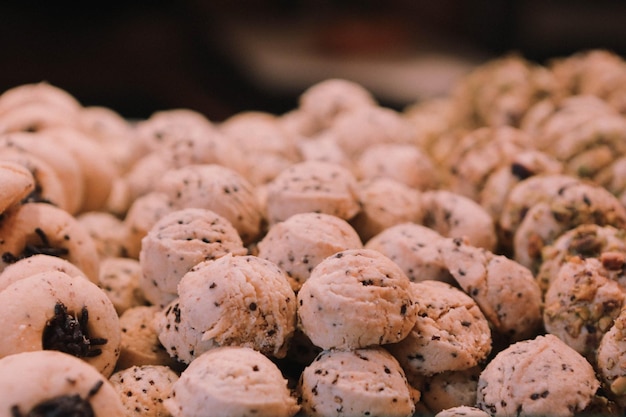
143, 389
50, 382
416, 249
119, 278
35, 264
581, 304
450, 334
58, 158
584, 241
247, 301
54, 311
462, 411
451, 389
142, 214
326, 100
39, 92
266, 145
18, 182
312, 186
540, 376
456, 216
405, 163
217, 188
385, 202
505, 290
139, 344
108, 232
610, 359
354, 299
180, 240
39, 228
232, 381
355, 382
302, 241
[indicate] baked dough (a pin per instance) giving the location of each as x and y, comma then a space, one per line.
49, 382
54, 311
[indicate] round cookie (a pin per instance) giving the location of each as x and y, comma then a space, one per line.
139, 344
540, 376
316, 186
611, 359
17, 183
35, 264
39, 228
456, 216
505, 290
40, 92
144, 389
385, 202
61, 160
354, 299
232, 381
54, 311
48, 186
119, 279
142, 214
358, 382
302, 241
451, 389
324, 101
462, 411
404, 163
181, 341
48, 382
107, 231
96, 166
585, 241
217, 188
36, 116
581, 304
180, 240
246, 301
450, 334
416, 249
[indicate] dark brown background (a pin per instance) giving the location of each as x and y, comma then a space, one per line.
141, 56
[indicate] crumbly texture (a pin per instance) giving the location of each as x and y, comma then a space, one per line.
540, 376
107, 231
144, 389
239, 301
505, 290
581, 304
450, 334
354, 299
179, 241
301, 242
32, 379
232, 381
355, 382
611, 359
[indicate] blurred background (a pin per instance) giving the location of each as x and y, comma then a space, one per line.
223, 57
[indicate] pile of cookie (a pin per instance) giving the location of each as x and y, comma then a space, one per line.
463, 256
